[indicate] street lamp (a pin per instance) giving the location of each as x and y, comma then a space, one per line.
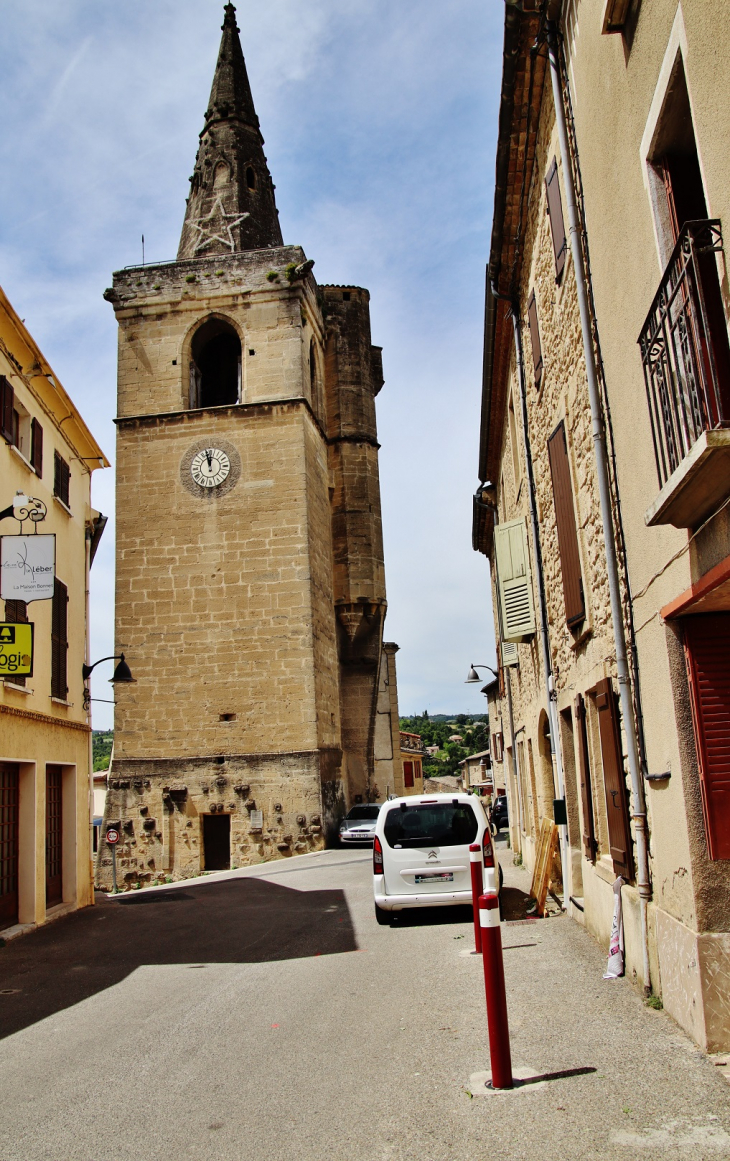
122, 674
474, 676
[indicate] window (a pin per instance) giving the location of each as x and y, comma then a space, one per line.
250, 177
417, 772
215, 365
436, 824
557, 224
535, 338
408, 773
59, 640
575, 609
61, 479
16, 613
498, 747
7, 408
36, 447
514, 581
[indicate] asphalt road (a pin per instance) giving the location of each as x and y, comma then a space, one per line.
266, 1015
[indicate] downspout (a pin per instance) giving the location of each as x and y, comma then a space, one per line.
599, 445
90, 746
552, 696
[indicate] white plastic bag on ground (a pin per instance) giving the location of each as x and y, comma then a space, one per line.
615, 967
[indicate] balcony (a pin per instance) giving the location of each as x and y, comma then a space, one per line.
686, 359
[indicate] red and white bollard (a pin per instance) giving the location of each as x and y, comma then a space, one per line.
477, 886
499, 1049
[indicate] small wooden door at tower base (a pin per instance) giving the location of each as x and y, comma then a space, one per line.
9, 779
54, 836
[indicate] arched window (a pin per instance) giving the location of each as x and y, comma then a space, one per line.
251, 177
215, 365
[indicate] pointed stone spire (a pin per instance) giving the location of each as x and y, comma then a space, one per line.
231, 205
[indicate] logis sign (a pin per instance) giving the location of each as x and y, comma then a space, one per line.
28, 567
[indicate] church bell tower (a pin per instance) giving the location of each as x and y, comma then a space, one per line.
250, 584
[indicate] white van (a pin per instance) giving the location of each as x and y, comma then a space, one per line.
421, 852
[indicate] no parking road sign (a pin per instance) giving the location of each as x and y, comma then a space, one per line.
112, 837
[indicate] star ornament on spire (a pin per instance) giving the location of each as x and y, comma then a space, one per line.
217, 226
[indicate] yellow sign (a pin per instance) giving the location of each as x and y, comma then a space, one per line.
16, 650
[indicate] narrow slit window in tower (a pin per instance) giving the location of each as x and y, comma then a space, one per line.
250, 177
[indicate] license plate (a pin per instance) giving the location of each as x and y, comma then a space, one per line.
436, 877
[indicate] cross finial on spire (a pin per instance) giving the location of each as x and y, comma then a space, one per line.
231, 205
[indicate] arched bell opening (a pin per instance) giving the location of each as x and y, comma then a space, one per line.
215, 365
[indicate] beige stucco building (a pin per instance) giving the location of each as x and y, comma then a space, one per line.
645, 111
250, 578
48, 455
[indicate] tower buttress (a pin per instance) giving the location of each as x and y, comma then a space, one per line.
231, 206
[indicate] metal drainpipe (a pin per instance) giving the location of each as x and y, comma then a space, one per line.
599, 446
546, 655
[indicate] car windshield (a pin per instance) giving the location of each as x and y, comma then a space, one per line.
443, 824
361, 813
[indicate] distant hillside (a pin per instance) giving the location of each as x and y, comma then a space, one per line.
103, 741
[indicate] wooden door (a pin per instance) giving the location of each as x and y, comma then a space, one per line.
54, 836
9, 779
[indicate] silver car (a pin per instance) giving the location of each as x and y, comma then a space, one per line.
358, 825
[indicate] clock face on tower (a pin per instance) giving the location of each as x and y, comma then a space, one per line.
210, 467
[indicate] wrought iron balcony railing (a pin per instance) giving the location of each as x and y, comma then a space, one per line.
684, 349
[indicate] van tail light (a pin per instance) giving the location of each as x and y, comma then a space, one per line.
487, 848
378, 857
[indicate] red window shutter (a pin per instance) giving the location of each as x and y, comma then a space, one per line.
417, 769
7, 402
408, 773
707, 650
535, 338
36, 447
614, 780
584, 769
575, 607
557, 224
59, 640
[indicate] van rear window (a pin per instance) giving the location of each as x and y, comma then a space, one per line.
440, 824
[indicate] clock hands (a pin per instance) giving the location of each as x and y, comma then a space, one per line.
209, 457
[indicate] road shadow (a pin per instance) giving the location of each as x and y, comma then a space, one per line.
513, 905
246, 920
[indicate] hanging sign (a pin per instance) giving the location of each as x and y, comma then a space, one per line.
28, 567
16, 649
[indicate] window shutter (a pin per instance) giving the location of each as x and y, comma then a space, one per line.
36, 447
514, 581
59, 640
614, 780
575, 608
557, 225
510, 654
408, 773
61, 479
535, 338
584, 770
7, 401
706, 646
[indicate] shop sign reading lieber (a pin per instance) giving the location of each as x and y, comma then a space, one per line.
28, 567
16, 650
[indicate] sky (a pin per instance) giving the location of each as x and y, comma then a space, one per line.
380, 123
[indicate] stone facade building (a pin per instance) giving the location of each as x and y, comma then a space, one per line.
250, 578
47, 455
605, 417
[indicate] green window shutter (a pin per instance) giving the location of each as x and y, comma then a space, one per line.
510, 654
514, 581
